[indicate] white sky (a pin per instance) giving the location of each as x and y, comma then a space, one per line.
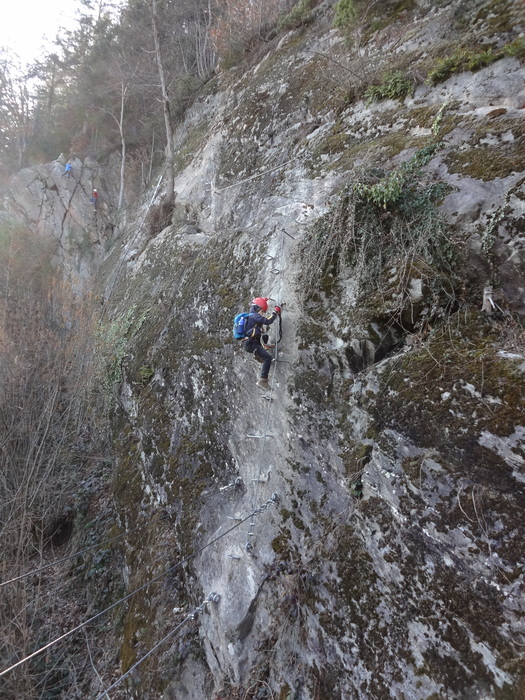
24, 24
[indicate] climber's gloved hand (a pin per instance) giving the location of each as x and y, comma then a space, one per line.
277, 310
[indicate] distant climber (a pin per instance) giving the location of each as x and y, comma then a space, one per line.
94, 199
68, 169
256, 340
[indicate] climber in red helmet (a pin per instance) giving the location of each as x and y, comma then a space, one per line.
256, 341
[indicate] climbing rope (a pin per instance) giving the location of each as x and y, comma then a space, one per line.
253, 177
237, 482
100, 545
212, 598
272, 501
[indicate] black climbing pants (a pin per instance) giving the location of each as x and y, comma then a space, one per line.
255, 347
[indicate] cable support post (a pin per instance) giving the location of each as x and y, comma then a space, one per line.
195, 612
235, 482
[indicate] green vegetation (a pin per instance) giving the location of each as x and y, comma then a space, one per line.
385, 230
146, 373
394, 87
516, 48
345, 14
388, 189
112, 347
459, 62
349, 12
468, 60
298, 16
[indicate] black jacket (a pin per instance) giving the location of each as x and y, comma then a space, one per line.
255, 324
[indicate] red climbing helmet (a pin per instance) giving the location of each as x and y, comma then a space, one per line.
261, 302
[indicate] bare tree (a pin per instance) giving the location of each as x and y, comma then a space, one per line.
45, 363
15, 110
170, 149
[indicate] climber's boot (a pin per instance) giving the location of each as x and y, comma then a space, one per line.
262, 383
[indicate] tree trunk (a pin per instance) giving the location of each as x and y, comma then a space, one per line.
170, 154
123, 146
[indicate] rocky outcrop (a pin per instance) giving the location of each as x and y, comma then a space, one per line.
390, 565
362, 525
58, 206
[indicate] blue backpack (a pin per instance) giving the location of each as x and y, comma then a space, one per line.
240, 325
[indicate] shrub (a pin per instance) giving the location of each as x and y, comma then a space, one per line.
298, 16
345, 14
379, 222
394, 87
377, 14
159, 217
46, 350
239, 26
464, 59
516, 48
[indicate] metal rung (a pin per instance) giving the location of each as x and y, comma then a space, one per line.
275, 271
260, 437
251, 534
260, 481
232, 556
229, 517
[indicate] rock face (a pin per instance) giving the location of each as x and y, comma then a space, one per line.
57, 205
362, 525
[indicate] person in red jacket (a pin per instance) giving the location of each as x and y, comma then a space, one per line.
256, 341
94, 199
